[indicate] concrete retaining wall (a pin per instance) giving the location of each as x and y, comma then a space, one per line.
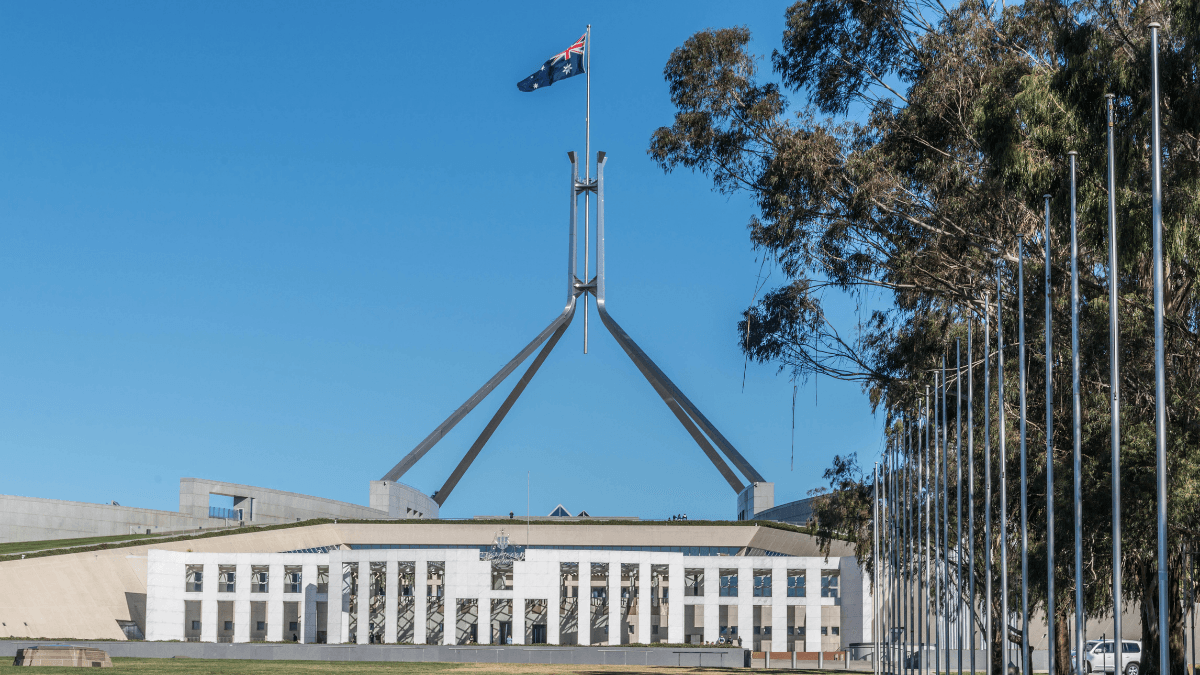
645, 656
34, 519
264, 506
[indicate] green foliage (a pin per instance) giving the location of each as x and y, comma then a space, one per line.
922, 140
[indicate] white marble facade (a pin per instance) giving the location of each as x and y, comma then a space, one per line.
656, 603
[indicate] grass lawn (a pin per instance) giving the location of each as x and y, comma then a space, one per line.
26, 546
238, 667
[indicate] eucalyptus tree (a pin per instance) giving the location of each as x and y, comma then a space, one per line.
893, 151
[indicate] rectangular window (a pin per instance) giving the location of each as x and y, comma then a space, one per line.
262, 625
195, 625
762, 583
824, 630
293, 626
795, 584
194, 582
228, 625
292, 579
226, 579
829, 584
259, 579
729, 583
836, 630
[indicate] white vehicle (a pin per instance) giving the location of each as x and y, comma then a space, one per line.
1098, 656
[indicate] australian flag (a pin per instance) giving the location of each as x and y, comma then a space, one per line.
567, 63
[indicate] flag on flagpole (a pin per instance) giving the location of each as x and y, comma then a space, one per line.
567, 63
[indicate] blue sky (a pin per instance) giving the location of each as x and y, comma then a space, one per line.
277, 243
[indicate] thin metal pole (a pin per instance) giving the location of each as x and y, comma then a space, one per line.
587, 175
908, 553
1003, 458
987, 480
958, 542
891, 547
938, 513
946, 508
1076, 429
1114, 379
1049, 455
875, 618
971, 480
1025, 664
893, 510
1160, 372
928, 560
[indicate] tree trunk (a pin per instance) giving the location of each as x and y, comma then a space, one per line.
1175, 618
1062, 638
996, 649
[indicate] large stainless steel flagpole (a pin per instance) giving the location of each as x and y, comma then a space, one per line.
987, 481
971, 480
1160, 373
1049, 456
1025, 664
958, 542
587, 174
1114, 377
1003, 457
1076, 429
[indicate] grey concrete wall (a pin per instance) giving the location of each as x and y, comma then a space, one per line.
398, 500
35, 519
269, 506
754, 498
647, 656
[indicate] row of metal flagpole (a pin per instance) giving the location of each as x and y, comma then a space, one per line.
922, 582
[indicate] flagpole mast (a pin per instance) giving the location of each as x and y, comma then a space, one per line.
587, 174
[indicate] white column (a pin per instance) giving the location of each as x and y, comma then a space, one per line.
644, 608
483, 630
338, 601
745, 603
362, 635
712, 604
308, 608
241, 603
616, 626
208, 603
812, 609
275, 602
585, 603
675, 604
518, 620
779, 607
391, 589
554, 604
450, 604
420, 601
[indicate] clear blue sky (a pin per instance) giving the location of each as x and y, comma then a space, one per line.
276, 243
